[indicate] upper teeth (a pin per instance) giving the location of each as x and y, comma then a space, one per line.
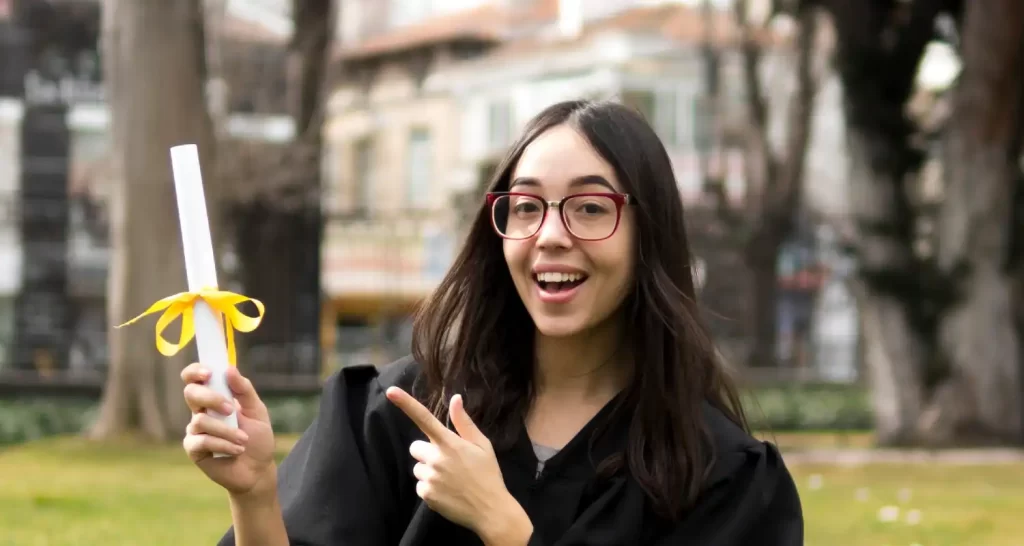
559, 277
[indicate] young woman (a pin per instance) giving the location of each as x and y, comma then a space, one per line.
562, 388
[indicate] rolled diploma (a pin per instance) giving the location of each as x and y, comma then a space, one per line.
201, 270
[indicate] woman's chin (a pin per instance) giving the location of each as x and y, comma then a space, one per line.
559, 326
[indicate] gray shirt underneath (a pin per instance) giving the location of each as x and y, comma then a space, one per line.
543, 453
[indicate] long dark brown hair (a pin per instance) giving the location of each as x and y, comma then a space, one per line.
474, 336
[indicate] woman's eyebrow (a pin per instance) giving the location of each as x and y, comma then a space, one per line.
585, 180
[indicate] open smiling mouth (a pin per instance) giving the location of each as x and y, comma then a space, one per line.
558, 282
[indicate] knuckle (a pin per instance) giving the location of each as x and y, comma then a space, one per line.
204, 442
192, 443
190, 374
192, 391
199, 421
431, 472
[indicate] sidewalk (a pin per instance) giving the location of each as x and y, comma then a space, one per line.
858, 456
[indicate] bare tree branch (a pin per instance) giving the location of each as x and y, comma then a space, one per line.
751, 63
786, 187
778, 180
307, 63
774, 179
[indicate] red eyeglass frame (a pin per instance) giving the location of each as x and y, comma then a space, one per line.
620, 200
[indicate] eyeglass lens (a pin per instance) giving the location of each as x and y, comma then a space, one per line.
587, 217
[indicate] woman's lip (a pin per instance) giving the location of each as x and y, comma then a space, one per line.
557, 269
560, 297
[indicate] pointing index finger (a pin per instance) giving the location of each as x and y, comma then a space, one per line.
419, 414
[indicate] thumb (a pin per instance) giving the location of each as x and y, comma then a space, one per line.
464, 424
245, 394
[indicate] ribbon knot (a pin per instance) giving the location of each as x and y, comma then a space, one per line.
222, 302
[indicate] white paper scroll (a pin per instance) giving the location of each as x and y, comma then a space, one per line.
201, 270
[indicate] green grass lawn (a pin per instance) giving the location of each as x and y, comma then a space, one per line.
68, 492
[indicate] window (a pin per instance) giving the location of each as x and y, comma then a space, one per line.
90, 153
88, 353
660, 110
88, 185
10, 144
641, 101
499, 124
419, 167
7, 311
703, 123
364, 151
666, 117
330, 175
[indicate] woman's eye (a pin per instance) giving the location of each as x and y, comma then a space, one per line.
591, 208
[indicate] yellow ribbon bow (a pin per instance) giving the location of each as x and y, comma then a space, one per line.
181, 305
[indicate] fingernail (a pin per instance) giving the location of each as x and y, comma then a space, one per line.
227, 408
238, 449
242, 436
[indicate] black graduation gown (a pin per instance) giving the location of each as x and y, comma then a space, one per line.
349, 482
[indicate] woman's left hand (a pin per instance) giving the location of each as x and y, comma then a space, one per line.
459, 476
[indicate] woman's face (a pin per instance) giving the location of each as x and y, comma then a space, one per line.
568, 285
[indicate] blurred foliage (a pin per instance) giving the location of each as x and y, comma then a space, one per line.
811, 407
774, 409
26, 419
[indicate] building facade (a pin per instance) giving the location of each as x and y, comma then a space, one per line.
646, 56
391, 146
650, 55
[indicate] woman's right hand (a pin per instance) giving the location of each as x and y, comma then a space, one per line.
251, 468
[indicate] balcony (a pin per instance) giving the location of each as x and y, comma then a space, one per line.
396, 255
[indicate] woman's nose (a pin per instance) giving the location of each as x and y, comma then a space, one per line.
552, 232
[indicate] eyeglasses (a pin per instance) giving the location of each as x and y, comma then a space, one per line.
587, 216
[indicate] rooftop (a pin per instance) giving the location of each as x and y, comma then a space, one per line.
682, 24
486, 23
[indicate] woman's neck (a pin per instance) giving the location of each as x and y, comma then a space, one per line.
590, 364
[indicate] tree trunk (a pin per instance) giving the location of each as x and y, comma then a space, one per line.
307, 63
776, 181
894, 345
279, 243
941, 351
1017, 263
764, 320
878, 53
892, 356
280, 253
153, 57
982, 154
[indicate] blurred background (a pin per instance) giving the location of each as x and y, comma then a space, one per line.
851, 173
